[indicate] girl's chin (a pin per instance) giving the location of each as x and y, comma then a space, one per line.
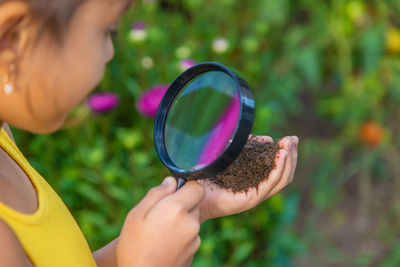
44, 127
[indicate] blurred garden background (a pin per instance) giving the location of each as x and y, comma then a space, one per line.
325, 70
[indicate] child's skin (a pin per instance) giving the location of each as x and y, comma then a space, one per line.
51, 79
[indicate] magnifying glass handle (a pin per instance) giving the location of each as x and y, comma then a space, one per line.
181, 182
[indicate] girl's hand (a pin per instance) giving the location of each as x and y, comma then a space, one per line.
219, 202
163, 229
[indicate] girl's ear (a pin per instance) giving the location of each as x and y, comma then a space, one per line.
14, 31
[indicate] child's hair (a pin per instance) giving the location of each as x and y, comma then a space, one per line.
53, 15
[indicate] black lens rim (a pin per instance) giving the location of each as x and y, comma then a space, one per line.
243, 130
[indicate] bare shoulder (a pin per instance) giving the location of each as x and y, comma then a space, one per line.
6, 128
11, 251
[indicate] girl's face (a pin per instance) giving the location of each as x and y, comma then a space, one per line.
53, 78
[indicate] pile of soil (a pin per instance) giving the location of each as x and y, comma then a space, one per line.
252, 166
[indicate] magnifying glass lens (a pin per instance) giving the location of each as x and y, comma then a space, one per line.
202, 120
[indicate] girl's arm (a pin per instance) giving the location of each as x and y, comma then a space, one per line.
11, 251
13, 254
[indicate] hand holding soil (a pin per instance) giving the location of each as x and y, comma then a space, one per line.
246, 183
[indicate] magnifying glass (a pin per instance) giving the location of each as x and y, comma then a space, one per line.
203, 122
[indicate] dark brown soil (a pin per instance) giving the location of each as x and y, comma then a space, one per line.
252, 166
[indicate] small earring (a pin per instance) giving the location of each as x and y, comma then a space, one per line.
9, 87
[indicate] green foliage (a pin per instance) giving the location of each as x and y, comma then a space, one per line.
318, 69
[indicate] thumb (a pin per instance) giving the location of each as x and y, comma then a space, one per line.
156, 194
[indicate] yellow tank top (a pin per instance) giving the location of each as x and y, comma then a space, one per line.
50, 236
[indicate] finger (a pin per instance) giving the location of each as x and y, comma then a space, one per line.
285, 180
296, 141
293, 152
261, 139
191, 250
194, 245
288, 143
156, 194
265, 139
267, 185
189, 262
190, 195
196, 213
294, 156
285, 143
252, 137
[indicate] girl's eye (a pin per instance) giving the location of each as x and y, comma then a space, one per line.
113, 33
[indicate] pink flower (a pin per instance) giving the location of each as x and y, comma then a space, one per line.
148, 102
138, 31
186, 63
103, 102
222, 133
139, 25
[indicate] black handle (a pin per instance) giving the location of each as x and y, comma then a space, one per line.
181, 182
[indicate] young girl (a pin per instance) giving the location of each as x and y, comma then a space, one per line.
52, 54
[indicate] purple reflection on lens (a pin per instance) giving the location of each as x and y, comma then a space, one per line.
221, 134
